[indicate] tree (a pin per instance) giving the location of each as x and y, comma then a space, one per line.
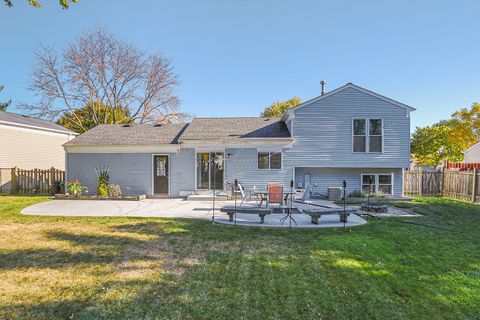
4, 105
100, 69
91, 114
277, 108
434, 144
64, 3
467, 121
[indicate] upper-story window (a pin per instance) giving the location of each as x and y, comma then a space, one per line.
367, 135
269, 160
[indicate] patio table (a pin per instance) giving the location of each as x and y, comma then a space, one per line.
264, 197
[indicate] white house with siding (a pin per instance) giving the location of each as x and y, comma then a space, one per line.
472, 154
30, 143
350, 134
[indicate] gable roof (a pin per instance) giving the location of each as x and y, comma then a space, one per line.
476, 145
31, 122
133, 134
235, 129
348, 86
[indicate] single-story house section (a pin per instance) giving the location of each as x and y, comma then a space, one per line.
349, 133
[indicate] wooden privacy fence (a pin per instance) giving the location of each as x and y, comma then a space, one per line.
35, 181
456, 184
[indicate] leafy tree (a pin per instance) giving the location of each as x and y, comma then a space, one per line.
432, 145
4, 105
64, 3
93, 115
99, 69
277, 108
467, 121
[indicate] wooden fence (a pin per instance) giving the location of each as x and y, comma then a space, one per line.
456, 184
36, 181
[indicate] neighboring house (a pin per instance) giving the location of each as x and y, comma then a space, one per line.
347, 134
472, 154
30, 143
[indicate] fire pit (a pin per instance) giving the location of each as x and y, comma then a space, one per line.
380, 208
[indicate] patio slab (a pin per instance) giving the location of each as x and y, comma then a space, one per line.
174, 208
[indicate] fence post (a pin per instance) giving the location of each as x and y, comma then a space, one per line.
474, 185
52, 180
13, 181
420, 183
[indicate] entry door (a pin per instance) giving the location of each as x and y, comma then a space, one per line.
160, 174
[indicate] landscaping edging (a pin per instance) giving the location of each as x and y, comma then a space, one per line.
95, 197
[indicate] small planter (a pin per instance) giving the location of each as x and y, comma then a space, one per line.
344, 217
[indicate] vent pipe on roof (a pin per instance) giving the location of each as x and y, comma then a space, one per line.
323, 83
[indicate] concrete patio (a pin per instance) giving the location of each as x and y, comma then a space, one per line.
175, 208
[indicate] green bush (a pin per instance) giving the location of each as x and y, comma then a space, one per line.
103, 179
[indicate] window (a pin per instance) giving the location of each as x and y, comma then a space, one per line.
359, 135
371, 137
269, 160
377, 183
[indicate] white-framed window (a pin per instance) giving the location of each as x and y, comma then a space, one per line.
269, 160
367, 135
377, 183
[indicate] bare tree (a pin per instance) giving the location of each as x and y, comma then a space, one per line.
99, 69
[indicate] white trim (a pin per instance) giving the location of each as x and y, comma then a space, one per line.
36, 131
153, 172
209, 144
367, 135
16, 124
168, 148
376, 182
347, 86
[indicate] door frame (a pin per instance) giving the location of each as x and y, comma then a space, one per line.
209, 150
153, 171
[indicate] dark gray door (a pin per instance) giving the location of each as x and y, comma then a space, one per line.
160, 174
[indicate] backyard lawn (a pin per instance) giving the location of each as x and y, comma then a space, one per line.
130, 268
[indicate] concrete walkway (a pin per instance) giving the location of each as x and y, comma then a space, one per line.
174, 208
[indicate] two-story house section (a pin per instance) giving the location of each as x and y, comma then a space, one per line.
349, 134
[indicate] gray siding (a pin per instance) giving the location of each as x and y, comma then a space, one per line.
323, 133
323, 178
132, 170
243, 166
182, 171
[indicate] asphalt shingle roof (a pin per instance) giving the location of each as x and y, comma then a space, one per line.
234, 129
219, 129
133, 134
31, 121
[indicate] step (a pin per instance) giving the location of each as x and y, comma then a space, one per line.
204, 197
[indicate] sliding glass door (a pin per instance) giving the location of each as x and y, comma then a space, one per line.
210, 170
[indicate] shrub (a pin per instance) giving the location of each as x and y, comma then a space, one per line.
103, 179
361, 194
75, 187
114, 190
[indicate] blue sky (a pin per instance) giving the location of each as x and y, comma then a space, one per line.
236, 57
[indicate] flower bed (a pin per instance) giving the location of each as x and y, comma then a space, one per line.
96, 197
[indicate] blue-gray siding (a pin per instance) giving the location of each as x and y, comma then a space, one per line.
243, 166
182, 171
133, 170
323, 133
323, 178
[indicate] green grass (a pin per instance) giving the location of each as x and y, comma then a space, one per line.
126, 268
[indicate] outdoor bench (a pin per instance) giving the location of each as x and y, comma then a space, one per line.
230, 210
315, 212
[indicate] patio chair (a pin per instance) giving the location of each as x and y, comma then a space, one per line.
275, 194
242, 192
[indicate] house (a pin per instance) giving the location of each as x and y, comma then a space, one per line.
472, 154
30, 143
349, 133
